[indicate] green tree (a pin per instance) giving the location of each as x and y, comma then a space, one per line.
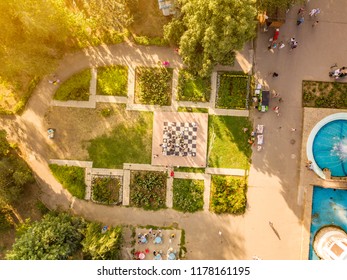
272, 5
102, 246
55, 237
213, 31
4, 145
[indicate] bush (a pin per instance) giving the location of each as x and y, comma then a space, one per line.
5, 222
112, 80
188, 195
106, 189
193, 88
153, 85
148, 190
232, 91
147, 41
75, 88
228, 195
71, 177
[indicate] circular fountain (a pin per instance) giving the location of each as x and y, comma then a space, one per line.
327, 146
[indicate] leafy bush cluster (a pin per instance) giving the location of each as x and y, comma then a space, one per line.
106, 189
193, 87
188, 195
71, 177
112, 80
153, 85
14, 173
147, 41
228, 195
232, 91
324, 94
61, 237
75, 88
148, 189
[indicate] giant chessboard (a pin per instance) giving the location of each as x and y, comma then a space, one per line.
179, 139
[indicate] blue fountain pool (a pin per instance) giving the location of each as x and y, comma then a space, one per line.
330, 147
329, 207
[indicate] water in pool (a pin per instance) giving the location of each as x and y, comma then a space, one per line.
330, 148
329, 207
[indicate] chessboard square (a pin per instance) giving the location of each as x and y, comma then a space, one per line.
194, 137
195, 128
190, 141
193, 146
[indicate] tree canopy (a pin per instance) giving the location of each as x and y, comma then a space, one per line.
210, 31
55, 237
272, 5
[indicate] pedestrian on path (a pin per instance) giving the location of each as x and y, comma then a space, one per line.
277, 110
280, 100
275, 75
300, 20
293, 129
301, 11
315, 23
314, 12
293, 43
281, 45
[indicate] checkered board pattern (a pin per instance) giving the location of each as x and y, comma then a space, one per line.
179, 139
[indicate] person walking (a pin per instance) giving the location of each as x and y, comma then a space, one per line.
314, 12
293, 43
301, 11
275, 75
315, 23
300, 20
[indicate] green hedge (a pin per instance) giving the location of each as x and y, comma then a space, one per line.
228, 195
71, 177
147, 41
75, 88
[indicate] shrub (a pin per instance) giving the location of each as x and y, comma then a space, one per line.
147, 41
112, 80
153, 85
71, 177
106, 189
228, 195
148, 190
188, 195
106, 112
5, 222
75, 88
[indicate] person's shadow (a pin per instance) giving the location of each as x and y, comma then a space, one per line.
275, 231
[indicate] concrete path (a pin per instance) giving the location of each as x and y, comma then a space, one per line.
273, 193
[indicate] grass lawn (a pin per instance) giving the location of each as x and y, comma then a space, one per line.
228, 194
127, 142
75, 88
153, 85
188, 195
71, 177
106, 189
189, 169
228, 146
148, 189
112, 80
192, 110
232, 91
193, 88
324, 94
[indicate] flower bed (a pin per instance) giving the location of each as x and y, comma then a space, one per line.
106, 190
324, 94
188, 195
148, 189
228, 195
153, 85
232, 91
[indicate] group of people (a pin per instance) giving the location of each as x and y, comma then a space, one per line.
312, 13
339, 73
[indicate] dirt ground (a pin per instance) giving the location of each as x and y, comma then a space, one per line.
78, 126
148, 19
26, 208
